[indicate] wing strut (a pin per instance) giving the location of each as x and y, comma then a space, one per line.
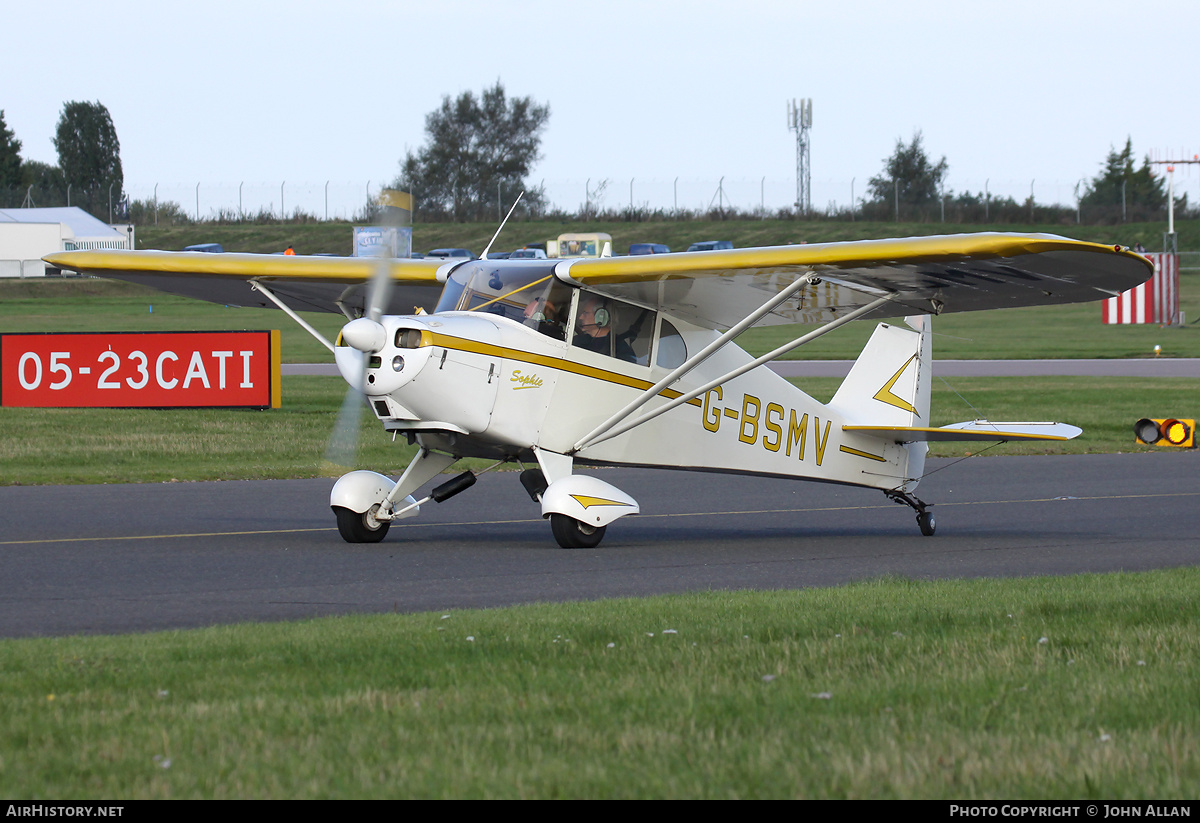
259, 287
593, 439
696, 359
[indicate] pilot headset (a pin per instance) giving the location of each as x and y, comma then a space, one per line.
600, 316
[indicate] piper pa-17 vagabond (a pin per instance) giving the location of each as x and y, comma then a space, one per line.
631, 361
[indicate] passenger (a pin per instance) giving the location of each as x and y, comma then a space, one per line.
543, 316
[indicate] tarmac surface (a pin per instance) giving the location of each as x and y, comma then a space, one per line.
133, 558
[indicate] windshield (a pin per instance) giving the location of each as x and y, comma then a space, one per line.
524, 291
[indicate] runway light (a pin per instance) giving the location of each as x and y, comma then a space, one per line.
1167, 431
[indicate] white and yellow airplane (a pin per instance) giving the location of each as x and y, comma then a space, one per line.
632, 361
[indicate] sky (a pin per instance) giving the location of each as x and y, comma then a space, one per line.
666, 101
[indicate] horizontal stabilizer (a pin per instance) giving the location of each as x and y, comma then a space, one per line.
977, 430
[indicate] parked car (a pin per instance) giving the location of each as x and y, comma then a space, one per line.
710, 245
579, 244
648, 248
451, 253
211, 248
527, 254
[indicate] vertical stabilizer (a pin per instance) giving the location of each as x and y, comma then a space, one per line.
889, 382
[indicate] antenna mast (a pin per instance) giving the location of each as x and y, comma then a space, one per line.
1170, 239
800, 121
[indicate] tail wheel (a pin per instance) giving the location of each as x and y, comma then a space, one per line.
573, 534
360, 528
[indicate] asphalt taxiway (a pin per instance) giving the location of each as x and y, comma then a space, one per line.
129, 558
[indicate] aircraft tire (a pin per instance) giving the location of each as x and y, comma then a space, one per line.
927, 523
572, 534
354, 527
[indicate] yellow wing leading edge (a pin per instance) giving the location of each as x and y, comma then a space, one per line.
921, 275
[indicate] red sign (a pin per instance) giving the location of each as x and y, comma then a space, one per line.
140, 370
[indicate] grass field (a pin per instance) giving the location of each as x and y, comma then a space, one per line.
1083, 688
54, 446
336, 238
1049, 332
1038, 333
77, 304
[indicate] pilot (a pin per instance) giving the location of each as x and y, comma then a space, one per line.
593, 329
592, 324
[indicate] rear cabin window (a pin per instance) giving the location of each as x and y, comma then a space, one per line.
671, 350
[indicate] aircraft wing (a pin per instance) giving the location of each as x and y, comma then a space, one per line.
923, 275
305, 283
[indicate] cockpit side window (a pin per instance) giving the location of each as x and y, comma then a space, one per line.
613, 327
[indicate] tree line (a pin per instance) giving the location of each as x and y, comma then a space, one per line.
478, 151
911, 187
88, 173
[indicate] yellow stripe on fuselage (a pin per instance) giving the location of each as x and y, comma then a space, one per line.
861, 453
447, 341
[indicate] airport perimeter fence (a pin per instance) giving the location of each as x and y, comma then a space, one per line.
966, 201
630, 197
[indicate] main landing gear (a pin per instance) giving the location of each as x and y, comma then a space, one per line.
570, 533
925, 518
579, 507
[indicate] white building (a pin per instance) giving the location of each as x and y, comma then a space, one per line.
26, 235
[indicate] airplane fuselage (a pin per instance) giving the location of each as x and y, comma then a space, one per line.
475, 383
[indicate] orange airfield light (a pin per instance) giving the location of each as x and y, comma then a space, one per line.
1168, 431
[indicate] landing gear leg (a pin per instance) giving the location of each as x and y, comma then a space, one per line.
925, 518
365, 502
